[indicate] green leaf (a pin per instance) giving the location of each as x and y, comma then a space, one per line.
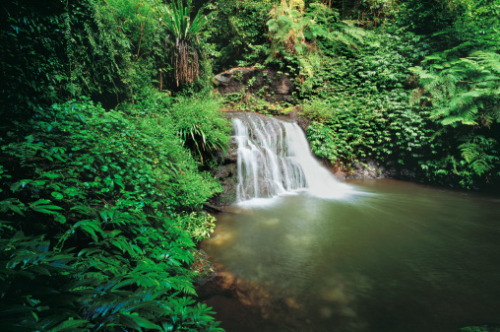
42, 207
143, 322
71, 325
57, 195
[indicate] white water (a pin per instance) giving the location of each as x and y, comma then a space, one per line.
274, 159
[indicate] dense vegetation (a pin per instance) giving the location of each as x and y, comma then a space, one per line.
109, 127
411, 85
102, 208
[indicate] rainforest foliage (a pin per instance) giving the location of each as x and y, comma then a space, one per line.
102, 169
109, 125
411, 85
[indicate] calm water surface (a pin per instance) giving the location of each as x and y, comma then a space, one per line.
400, 257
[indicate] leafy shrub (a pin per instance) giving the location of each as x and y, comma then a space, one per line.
319, 110
482, 328
464, 95
428, 16
115, 48
390, 137
33, 70
298, 34
286, 27
372, 13
362, 111
466, 91
460, 81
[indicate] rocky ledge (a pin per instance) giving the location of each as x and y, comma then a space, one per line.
272, 85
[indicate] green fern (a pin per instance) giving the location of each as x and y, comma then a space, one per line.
480, 154
465, 91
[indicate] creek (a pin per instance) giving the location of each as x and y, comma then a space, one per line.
306, 252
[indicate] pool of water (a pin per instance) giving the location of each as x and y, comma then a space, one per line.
396, 257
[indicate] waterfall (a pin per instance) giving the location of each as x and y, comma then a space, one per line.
274, 159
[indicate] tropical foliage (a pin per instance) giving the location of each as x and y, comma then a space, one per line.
100, 208
461, 82
360, 99
239, 32
113, 196
109, 127
360, 106
415, 90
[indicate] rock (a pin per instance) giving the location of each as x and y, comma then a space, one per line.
368, 170
227, 173
246, 292
283, 86
220, 80
274, 86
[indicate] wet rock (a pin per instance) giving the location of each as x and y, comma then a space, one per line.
372, 170
227, 173
245, 292
368, 170
274, 86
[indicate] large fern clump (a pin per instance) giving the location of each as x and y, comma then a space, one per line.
465, 91
465, 97
460, 83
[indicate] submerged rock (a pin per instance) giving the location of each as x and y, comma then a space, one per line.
204, 270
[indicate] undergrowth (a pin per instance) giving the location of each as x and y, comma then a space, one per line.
100, 209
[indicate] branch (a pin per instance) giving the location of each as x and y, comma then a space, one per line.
140, 41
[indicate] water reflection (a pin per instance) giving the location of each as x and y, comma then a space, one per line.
405, 258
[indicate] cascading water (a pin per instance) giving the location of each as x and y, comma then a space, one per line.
264, 167
274, 159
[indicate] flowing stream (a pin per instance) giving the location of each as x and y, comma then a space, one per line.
315, 254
